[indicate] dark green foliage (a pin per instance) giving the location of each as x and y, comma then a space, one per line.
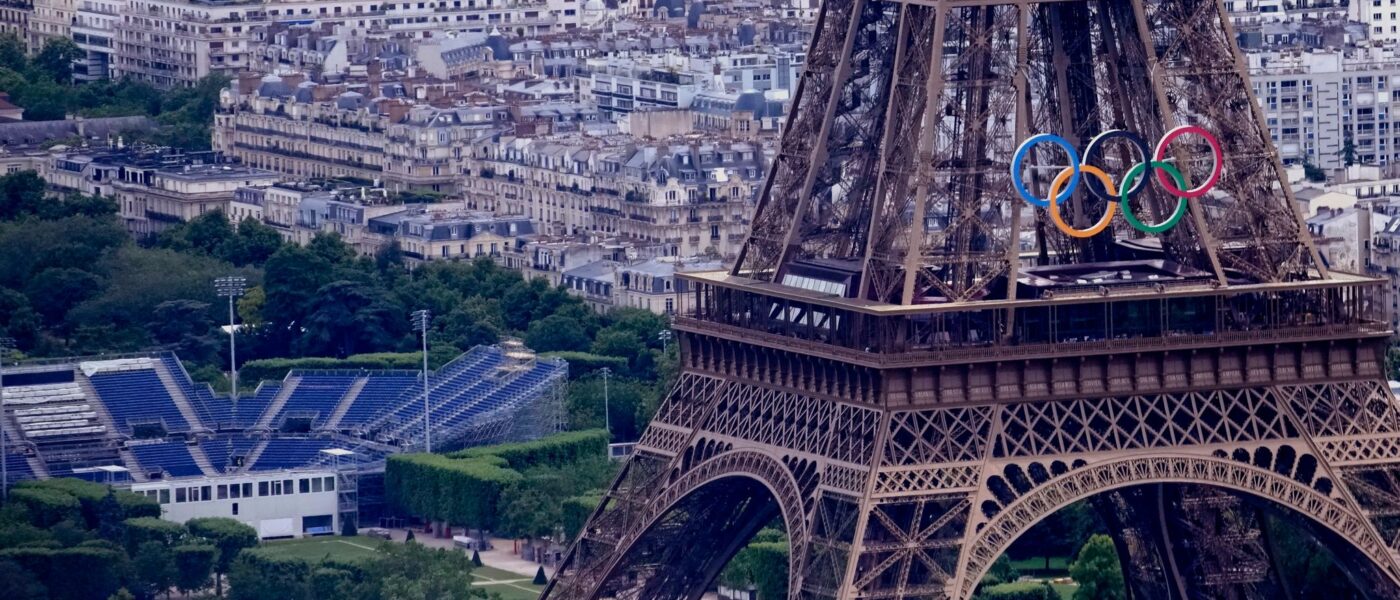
56, 58
519, 489
194, 566
540, 578
396, 571
229, 536
1026, 590
476, 556
1060, 534
102, 570
574, 513
557, 333
18, 583
761, 564
142, 530
1097, 572
554, 451
47, 507
436, 487
409, 537
583, 364
1000, 572
154, 566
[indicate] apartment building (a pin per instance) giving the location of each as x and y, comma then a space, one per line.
173, 43
14, 18
691, 199
307, 130
1324, 107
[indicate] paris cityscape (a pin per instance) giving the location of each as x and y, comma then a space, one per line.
699, 299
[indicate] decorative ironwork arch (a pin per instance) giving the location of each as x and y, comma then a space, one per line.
770, 472
994, 535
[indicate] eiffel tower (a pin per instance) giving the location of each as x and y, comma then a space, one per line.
913, 361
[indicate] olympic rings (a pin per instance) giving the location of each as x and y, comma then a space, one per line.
1101, 185
1021, 156
1177, 214
1161, 153
1055, 205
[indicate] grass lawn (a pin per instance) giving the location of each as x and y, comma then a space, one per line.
1065, 591
314, 549
1037, 564
495, 581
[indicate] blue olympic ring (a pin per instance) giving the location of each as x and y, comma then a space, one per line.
1020, 157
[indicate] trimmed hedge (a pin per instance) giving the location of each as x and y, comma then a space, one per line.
556, 451
80, 573
276, 369
455, 490
1024, 590
582, 364
47, 507
151, 529
576, 511
89, 496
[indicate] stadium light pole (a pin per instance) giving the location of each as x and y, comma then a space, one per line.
420, 324
5, 344
606, 374
232, 287
665, 337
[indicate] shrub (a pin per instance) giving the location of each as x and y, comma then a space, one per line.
1026, 590
582, 364
554, 451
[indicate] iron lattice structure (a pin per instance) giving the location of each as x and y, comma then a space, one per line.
910, 366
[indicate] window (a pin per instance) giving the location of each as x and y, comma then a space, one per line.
235, 509
235, 491
165, 496
180, 496
248, 490
262, 488
304, 486
316, 484
330, 484
287, 486
223, 492
204, 493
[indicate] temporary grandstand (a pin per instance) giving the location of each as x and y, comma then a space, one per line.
143, 413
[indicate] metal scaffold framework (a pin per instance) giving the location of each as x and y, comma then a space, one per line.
932, 340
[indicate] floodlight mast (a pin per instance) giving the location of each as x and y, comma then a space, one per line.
232, 287
421, 320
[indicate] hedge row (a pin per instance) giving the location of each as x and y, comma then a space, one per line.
556, 451
275, 369
78, 573
582, 364
55, 500
455, 490
465, 487
1024, 590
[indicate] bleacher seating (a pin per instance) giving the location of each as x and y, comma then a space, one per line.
68, 422
290, 453
172, 457
137, 395
200, 396
221, 450
318, 394
52, 411
380, 394
19, 467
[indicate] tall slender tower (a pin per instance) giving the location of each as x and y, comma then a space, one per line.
1010, 256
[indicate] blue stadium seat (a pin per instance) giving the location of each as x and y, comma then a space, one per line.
221, 450
380, 395
172, 457
292, 453
138, 396
316, 393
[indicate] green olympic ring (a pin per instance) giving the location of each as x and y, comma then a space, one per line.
1131, 178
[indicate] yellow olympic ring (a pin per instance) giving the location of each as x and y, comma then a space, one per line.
1055, 206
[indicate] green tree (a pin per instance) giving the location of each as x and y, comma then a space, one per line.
18, 583
57, 57
22, 193
194, 566
229, 536
154, 565
351, 318
556, 333
54, 292
1097, 571
13, 53
252, 244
